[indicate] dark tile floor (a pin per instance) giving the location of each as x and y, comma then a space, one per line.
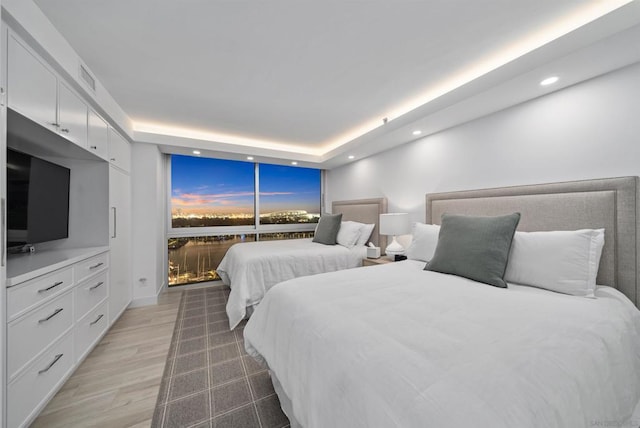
209, 380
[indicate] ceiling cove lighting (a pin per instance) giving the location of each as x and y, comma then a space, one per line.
520, 47
586, 13
195, 134
549, 81
196, 152
249, 157
294, 163
352, 157
417, 132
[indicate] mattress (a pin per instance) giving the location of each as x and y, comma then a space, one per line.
252, 268
394, 345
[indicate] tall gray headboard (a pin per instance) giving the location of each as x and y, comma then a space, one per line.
610, 203
364, 211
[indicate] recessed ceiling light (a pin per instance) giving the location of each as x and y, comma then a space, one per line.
417, 132
294, 163
249, 157
352, 157
549, 81
196, 152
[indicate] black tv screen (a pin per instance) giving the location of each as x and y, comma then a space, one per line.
37, 200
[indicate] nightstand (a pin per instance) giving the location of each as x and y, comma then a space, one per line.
380, 261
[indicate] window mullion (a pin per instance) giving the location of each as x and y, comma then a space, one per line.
256, 199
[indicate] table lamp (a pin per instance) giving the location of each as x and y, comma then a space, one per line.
394, 224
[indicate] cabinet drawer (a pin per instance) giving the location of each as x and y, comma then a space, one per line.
30, 293
89, 267
90, 328
35, 331
28, 392
90, 293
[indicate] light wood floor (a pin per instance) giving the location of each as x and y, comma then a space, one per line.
117, 384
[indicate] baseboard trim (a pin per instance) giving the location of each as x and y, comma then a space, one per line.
146, 300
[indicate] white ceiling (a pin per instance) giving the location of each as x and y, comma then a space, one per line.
301, 79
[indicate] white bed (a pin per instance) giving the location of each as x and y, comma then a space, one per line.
395, 345
251, 269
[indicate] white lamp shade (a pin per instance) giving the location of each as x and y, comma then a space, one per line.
395, 224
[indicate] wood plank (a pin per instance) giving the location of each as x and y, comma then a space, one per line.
118, 383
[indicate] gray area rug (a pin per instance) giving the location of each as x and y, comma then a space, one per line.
209, 380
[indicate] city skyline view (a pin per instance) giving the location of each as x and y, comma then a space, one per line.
219, 192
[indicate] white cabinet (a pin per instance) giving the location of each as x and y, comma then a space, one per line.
72, 116
36, 92
33, 388
49, 333
36, 330
98, 135
119, 151
120, 242
31, 86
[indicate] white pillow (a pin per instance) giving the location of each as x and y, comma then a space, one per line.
424, 242
348, 233
562, 261
365, 233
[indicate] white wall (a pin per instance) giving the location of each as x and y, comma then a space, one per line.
148, 219
590, 130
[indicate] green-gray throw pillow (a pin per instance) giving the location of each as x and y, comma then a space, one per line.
327, 229
475, 247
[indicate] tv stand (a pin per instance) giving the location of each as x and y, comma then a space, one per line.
57, 310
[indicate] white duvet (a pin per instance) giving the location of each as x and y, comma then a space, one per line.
397, 346
252, 268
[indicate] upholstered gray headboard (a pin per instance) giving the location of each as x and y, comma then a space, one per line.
364, 211
610, 203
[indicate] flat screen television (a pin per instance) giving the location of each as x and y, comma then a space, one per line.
37, 200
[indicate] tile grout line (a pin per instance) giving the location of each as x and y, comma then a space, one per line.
246, 375
178, 330
208, 370
190, 303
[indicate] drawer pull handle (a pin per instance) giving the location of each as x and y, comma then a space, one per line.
96, 320
42, 290
93, 287
96, 266
56, 312
51, 364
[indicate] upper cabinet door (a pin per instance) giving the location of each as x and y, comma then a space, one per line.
31, 87
98, 135
119, 151
72, 116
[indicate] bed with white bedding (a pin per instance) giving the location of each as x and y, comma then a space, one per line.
395, 345
251, 269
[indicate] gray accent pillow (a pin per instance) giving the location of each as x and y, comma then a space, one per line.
327, 229
475, 247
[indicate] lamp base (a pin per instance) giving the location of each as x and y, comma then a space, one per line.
394, 248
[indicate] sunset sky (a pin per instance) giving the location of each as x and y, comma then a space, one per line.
215, 186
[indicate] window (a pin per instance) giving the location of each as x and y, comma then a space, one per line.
195, 259
211, 192
289, 195
216, 203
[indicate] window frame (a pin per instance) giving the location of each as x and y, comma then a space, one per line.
255, 229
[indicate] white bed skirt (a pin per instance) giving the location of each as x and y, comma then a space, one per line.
285, 402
